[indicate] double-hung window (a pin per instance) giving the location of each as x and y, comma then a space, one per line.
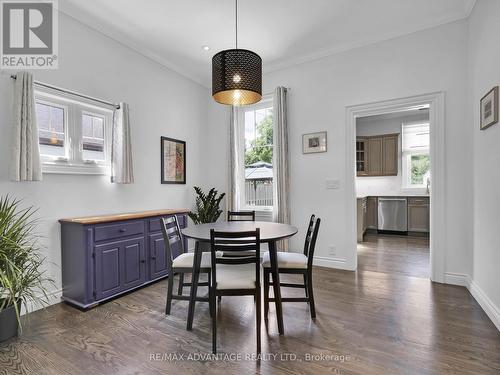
416, 160
257, 130
74, 134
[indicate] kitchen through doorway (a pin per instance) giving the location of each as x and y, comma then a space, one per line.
393, 184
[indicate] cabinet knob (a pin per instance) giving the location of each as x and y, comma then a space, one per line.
122, 230
143, 260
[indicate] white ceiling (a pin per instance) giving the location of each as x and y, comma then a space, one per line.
283, 32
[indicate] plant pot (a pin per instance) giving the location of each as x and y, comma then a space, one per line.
8, 323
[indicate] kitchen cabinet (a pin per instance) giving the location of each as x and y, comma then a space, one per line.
377, 155
418, 214
371, 213
361, 218
105, 256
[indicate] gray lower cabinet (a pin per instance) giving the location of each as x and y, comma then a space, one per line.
418, 215
101, 260
371, 213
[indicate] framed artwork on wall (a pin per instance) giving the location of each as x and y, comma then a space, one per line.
173, 161
313, 143
489, 108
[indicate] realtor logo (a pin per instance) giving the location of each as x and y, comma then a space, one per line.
29, 34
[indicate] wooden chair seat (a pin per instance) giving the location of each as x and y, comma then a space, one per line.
286, 260
185, 260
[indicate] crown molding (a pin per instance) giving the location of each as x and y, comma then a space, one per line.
325, 53
469, 7
70, 11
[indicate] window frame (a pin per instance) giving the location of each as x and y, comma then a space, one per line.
75, 107
406, 159
264, 211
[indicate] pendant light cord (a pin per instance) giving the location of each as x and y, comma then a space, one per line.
236, 10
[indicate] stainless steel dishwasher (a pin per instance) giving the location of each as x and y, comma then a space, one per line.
392, 214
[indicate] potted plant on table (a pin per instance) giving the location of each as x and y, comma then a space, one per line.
22, 279
207, 209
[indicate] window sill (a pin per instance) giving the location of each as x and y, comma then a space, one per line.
53, 167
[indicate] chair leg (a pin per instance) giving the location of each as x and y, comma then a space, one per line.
210, 302
181, 284
258, 317
305, 284
266, 293
214, 323
311, 295
170, 287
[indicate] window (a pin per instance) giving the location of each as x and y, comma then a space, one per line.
416, 161
74, 135
257, 120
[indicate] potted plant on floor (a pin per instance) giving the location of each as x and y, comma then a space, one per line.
22, 280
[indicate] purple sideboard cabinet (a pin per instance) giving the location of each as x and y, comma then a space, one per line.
105, 256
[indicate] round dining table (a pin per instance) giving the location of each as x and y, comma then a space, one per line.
270, 233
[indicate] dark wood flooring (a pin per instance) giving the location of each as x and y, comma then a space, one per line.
394, 254
368, 323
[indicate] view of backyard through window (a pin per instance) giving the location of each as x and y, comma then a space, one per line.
416, 161
259, 156
51, 132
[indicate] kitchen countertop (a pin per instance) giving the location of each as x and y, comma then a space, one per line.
124, 216
394, 195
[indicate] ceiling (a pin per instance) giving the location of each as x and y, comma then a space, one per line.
283, 32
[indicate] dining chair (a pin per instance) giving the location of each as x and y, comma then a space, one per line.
181, 264
294, 263
235, 276
240, 215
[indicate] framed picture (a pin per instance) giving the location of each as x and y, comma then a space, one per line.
173, 161
313, 143
489, 108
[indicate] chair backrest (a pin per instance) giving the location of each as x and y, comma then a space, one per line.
171, 236
240, 215
311, 236
234, 242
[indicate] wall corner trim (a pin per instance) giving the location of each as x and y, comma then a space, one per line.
486, 304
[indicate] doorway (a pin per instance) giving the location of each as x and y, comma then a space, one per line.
395, 204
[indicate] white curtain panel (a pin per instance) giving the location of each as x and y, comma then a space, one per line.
26, 164
122, 171
235, 162
281, 185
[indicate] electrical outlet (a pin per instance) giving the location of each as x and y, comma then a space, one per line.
332, 250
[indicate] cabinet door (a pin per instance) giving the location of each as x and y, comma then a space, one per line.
390, 159
134, 263
375, 156
418, 218
108, 269
371, 213
157, 256
362, 156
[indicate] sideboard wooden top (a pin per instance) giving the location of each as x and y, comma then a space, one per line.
125, 216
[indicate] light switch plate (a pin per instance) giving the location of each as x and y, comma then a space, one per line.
332, 184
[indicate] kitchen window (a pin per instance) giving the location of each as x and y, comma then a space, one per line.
257, 184
415, 155
74, 135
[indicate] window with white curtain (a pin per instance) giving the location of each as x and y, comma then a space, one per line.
415, 155
257, 149
74, 135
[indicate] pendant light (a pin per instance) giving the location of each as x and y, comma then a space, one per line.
236, 75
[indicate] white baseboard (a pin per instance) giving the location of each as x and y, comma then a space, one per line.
339, 263
487, 305
53, 298
457, 279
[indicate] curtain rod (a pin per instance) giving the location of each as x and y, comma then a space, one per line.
38, 83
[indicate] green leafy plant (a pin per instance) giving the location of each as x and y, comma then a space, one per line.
22, 280
207, 206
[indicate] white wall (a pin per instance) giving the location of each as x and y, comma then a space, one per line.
161, 103
484, 73
378, 125
424, 62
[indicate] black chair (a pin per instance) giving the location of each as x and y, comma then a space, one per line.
240, 215
295, 263
182, 264
235, 276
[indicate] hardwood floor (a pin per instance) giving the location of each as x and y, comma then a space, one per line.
394, 254
374, 322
